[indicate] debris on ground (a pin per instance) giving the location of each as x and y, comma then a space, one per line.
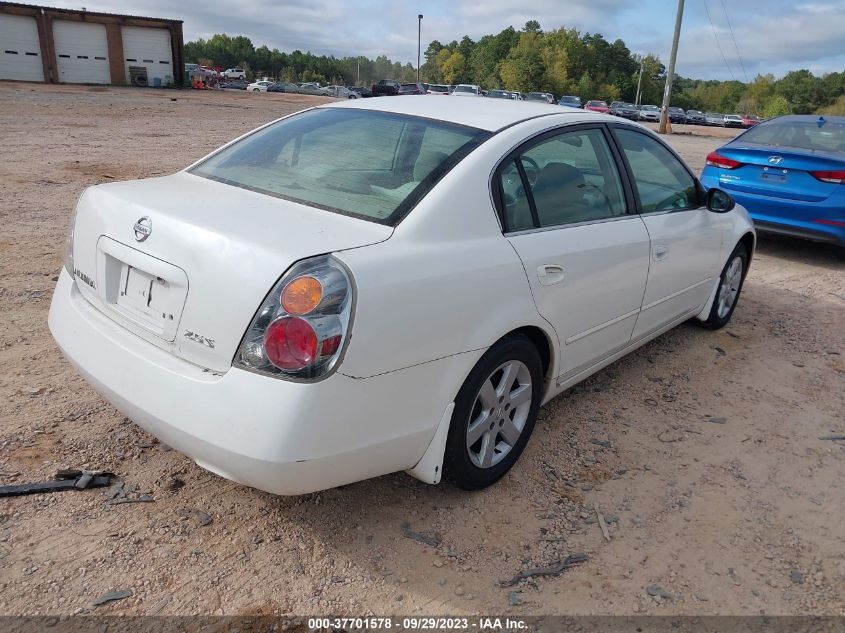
111, 596
69, 479
796, 577
175, 483
834, 438
656, 591
120, 491
428, 539
555, 569
603, 526
515, 598
202, 518
145, 498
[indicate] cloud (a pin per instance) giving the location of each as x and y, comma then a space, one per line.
783, 37
776, 41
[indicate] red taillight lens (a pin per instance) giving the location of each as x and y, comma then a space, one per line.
836, 177
715, 159
301, 328
290, 343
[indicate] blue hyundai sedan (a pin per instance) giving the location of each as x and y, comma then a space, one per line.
789, 173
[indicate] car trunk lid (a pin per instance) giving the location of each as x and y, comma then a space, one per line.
184, 262
781, 172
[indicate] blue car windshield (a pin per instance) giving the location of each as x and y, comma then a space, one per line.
808, 135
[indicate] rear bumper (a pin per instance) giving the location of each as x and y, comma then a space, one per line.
802, 232
279, 436
794, 218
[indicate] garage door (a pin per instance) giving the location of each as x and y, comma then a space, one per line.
81, 52
20, 57
150, 49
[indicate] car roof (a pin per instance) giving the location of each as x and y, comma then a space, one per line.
806, 118
493, 115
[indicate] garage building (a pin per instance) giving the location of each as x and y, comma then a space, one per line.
81, 47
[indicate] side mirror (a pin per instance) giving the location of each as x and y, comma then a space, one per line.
719, 201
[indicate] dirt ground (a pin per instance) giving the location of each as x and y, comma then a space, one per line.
702, 450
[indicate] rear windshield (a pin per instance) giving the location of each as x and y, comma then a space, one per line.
466, 89
829, 137
372, 165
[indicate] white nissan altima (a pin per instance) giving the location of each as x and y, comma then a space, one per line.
388, 284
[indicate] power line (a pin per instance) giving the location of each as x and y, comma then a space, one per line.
741, 63
724, 59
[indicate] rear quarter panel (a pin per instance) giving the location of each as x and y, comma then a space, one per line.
447, 281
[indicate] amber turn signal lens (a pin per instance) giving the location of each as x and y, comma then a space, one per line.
302, 295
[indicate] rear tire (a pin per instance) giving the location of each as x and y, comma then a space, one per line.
495, 412
730, 287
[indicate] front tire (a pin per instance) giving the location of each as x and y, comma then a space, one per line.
494, 415
730, 287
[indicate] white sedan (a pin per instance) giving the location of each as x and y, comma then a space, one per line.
341, 92
259, 86
302, 309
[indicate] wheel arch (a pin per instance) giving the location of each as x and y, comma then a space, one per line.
430, 466
543, 342
749, 241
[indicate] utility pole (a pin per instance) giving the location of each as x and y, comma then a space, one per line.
667, 91
419, 41
639, 83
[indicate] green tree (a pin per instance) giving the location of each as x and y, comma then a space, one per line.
532, 26
523, 68
585, 88
452, 65
800, 87
776, 106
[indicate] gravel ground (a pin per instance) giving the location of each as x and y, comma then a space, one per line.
701, 451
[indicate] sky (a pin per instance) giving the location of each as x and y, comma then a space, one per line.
755, 36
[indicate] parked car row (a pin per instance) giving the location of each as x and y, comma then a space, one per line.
390, 87
307, 88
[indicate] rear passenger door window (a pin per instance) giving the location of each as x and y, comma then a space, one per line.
662, 182
571, 178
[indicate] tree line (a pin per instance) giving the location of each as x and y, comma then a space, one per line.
560, 61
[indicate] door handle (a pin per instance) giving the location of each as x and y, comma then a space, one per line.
550, 274
660, 252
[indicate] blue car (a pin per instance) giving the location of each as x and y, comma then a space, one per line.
789, 173
570, 101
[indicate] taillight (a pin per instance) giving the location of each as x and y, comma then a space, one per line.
715, 159
69, 239
836, 177
300, 330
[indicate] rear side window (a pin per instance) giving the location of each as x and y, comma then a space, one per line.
371, 165
571, 178
661, 179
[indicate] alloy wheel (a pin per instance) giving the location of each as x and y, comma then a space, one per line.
499, 414
729, 289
